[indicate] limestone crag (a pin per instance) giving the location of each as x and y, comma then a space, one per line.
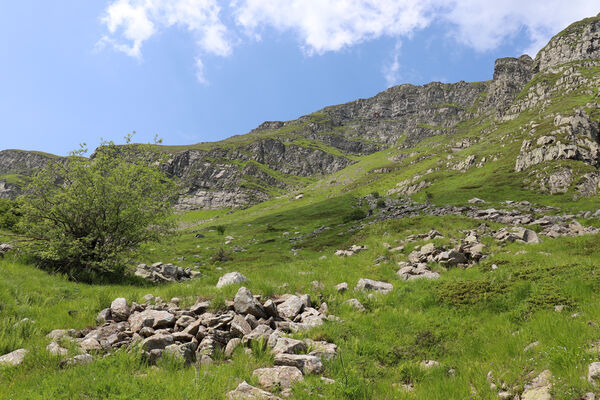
579, 41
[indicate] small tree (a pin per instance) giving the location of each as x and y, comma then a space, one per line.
84, 216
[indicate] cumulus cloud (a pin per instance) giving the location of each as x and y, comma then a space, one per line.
486, 25
331, 25
130, 23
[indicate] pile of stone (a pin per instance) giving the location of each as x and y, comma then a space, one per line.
5, 248
160, 273
194, 334
351, 251
569, 229
516, 234
432, 234
469, 252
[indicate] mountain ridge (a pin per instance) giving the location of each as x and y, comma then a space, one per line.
278, 157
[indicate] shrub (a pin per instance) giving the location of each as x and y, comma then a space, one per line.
355, 215
380, 203
375, 194
9, 214
84, 216
220, 256
220, 229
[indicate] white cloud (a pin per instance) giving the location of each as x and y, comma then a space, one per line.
132, 22
391, 71
331, 25
486, 25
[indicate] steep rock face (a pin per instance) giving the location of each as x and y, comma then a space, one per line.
580, 41
16, 164
22, 162
582, 136
510, 76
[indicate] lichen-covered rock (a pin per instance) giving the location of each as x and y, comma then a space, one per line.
281, 377
365, 284
244, 391
231, 278
13, 358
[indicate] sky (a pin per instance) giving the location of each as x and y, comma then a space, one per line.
190, 71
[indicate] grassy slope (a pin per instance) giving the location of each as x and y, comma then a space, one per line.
472, 320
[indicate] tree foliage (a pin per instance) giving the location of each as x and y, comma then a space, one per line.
85, 216
9, 214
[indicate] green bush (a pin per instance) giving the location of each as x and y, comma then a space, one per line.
380, 203
83, 217
355, 215
9, 214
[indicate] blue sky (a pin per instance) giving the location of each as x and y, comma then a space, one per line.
76, 71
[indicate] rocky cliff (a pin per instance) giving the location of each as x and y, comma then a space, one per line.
277, 156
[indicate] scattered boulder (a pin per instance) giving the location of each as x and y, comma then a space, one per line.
539, 388
245, 391
5, 248
159, 273
80, 359
119, 309
231, 278
355, 249
594, 372
354, 303
341, 287
517, 234
306, 363
476, 200
244, 303
281, 377
369, 284
290, 307
14, 358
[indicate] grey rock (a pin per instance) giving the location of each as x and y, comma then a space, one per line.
231, 278
306, 363
13, 358
157, 342
540, 388
155, 319
291, 307
369, 284
281, 377
354, 303
80, 359
119, 309
244, 391
55, 349
245, 303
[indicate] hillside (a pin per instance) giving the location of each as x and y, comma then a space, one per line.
474, 208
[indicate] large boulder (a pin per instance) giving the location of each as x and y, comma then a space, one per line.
290, 307
231, 278
278, 377
155, 319
119, 309
369, 284
244, 391
157, 342
14, 358
245, 303
594, 372
540, 388
306, 363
